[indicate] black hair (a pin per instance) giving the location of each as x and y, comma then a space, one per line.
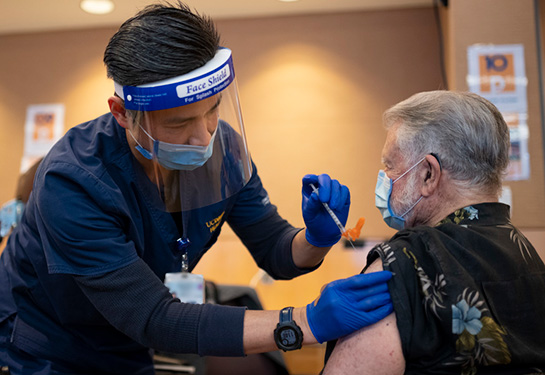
161, 41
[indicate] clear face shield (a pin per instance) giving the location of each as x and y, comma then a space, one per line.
189, 135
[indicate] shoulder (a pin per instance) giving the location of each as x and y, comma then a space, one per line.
376, 349
252, 203
90, 145
413, 240
90, 160
418, 257
373, 350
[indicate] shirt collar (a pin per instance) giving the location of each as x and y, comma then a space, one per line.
481, 214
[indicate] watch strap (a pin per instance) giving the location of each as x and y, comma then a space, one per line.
286, 314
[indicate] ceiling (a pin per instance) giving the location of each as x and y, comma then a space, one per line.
24, 16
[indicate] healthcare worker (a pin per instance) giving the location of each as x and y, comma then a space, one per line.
133, 199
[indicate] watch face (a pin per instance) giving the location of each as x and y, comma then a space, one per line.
287, 336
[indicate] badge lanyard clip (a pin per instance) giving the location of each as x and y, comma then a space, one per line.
183, 244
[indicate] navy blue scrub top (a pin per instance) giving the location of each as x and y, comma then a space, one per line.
93, 211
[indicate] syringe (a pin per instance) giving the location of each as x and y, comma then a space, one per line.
333, 216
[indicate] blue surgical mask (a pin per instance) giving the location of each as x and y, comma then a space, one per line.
177, 157
383, 193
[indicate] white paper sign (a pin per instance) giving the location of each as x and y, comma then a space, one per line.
44, 126
497, 73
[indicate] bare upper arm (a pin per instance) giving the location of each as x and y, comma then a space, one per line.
372, 350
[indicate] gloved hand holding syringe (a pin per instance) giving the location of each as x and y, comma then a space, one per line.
351, 233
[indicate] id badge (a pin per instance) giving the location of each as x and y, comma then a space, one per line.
187, 287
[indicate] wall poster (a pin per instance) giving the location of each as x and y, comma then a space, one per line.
44, 126
497, 73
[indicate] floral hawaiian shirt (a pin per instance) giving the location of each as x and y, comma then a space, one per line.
469, 295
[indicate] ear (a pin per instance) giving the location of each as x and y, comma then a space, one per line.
117, 108
431, 175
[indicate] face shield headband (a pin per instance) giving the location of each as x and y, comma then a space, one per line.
206, 81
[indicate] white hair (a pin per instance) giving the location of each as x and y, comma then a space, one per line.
466, 132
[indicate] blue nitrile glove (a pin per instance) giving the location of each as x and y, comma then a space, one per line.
321, 229
346, 305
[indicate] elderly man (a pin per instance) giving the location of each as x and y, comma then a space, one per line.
468, 290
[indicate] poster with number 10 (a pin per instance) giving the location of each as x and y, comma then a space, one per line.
497, 73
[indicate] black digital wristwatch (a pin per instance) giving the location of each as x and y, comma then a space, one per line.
288, 335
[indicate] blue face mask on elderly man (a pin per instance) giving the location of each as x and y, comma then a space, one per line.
383, 194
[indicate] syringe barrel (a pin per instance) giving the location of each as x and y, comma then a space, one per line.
330, 211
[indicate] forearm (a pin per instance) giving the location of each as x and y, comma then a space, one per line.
306, 255
259, 327
135, 302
